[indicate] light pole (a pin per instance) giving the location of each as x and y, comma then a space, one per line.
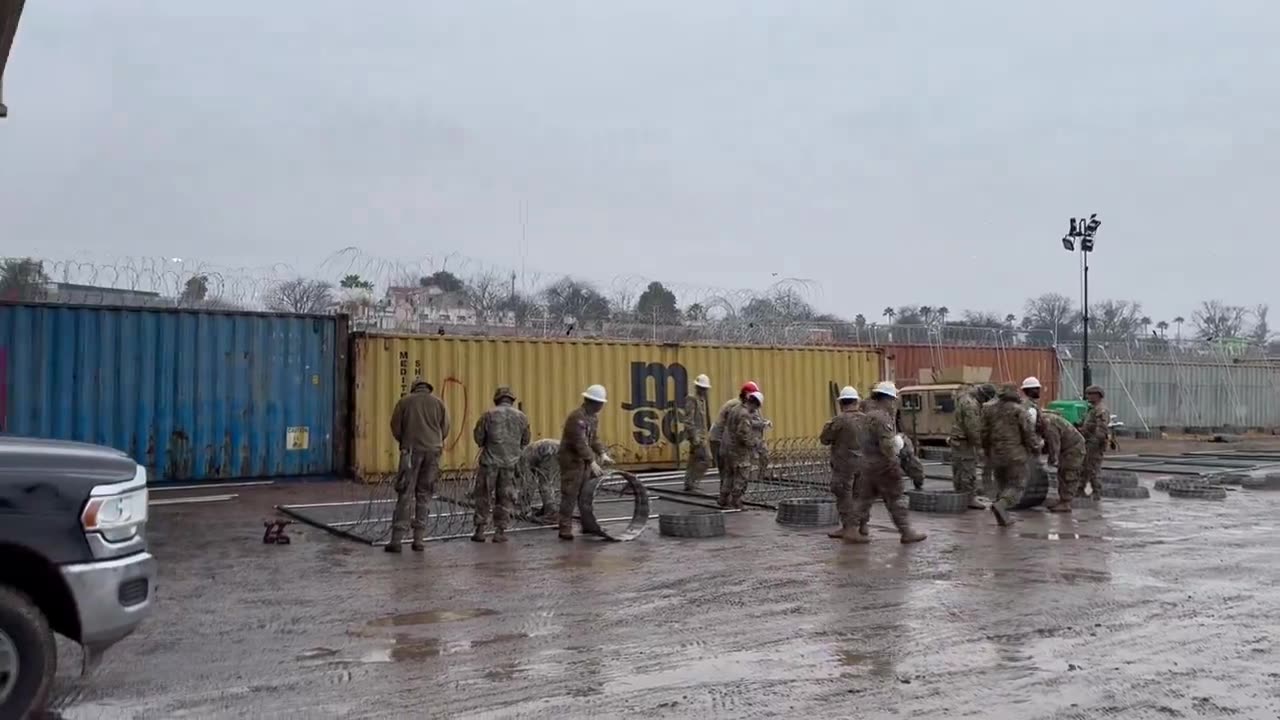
1083, 230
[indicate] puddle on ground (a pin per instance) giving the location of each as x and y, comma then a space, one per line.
877, 665
430, 617
1059, 536
316, 653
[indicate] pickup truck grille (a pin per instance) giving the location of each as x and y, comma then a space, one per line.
134, 592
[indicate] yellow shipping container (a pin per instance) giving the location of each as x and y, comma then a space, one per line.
647, 384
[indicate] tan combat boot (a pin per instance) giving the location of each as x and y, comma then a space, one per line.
1003, 519
974, 503
500, 536
478, 535
911, 536
1062, 506
838, 532
855, 536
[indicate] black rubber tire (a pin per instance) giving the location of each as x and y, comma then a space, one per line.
1268, 482
1125, 493
1230, 478
1207, 492
1037, 488
937, 501
1120, 478
28, 630
697, 524
808, 512
639, 516
1167, 484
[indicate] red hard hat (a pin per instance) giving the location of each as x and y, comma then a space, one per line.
750, 387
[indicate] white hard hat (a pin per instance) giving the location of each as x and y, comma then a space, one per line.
597, 393
1030, 383
759, 396
702, 381
886, 388
849, 392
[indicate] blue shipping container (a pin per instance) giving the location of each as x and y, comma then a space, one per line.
190, 395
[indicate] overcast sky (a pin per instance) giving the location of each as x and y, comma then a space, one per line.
893, 153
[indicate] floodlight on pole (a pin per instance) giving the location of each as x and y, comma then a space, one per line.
1083, 230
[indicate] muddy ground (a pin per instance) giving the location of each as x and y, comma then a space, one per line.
1157, 608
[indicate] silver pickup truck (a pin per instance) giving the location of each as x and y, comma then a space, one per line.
73, 559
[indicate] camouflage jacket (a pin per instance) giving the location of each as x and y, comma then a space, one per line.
502, 432
1008, 434
717, 428
911, 464
742, 438
539, 451
580, 442
876, 432
966, 427
695, 419
420, 421
1061, 439
1096, 428
841, 435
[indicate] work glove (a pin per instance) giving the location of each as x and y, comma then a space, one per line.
596, 470
898, 443
605, 459
918, 483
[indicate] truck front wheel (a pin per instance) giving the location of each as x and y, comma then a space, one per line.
28, 655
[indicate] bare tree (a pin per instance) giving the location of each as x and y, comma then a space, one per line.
1261, 331
1216, 320
300, 295
485, 294
1116, 319
1053, 318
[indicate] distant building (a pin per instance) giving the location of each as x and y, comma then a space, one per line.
75, 294
422, 308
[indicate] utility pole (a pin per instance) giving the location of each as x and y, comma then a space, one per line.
1083, 230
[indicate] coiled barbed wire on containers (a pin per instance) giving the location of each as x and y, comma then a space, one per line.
524, 303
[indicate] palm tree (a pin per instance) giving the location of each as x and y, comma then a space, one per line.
926, 314
1178, 321
942, 314
890, 313
1145, 322
1162, 326
1010, 318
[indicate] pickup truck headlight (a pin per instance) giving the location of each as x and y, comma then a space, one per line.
116, 514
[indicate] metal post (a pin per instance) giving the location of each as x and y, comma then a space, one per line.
1088, 376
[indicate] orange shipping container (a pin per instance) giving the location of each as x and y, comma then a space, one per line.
1008, 364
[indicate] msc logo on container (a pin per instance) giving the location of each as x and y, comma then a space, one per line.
657, 392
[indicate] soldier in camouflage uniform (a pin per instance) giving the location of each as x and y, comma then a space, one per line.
1065, 446
1009, 441
1096, 429
742, 438
695, 430
840, 435
420, 425
910, 462
541, 479
581, 454
966, 441
717, 428
501, 433
880, 467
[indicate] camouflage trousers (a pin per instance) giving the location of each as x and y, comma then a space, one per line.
571, 478
1091, 476
414, 485
539, 484
843, 483
1010, 480
491, 482
964, 468
699, 461
885, 484
1069, 476
734, 477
